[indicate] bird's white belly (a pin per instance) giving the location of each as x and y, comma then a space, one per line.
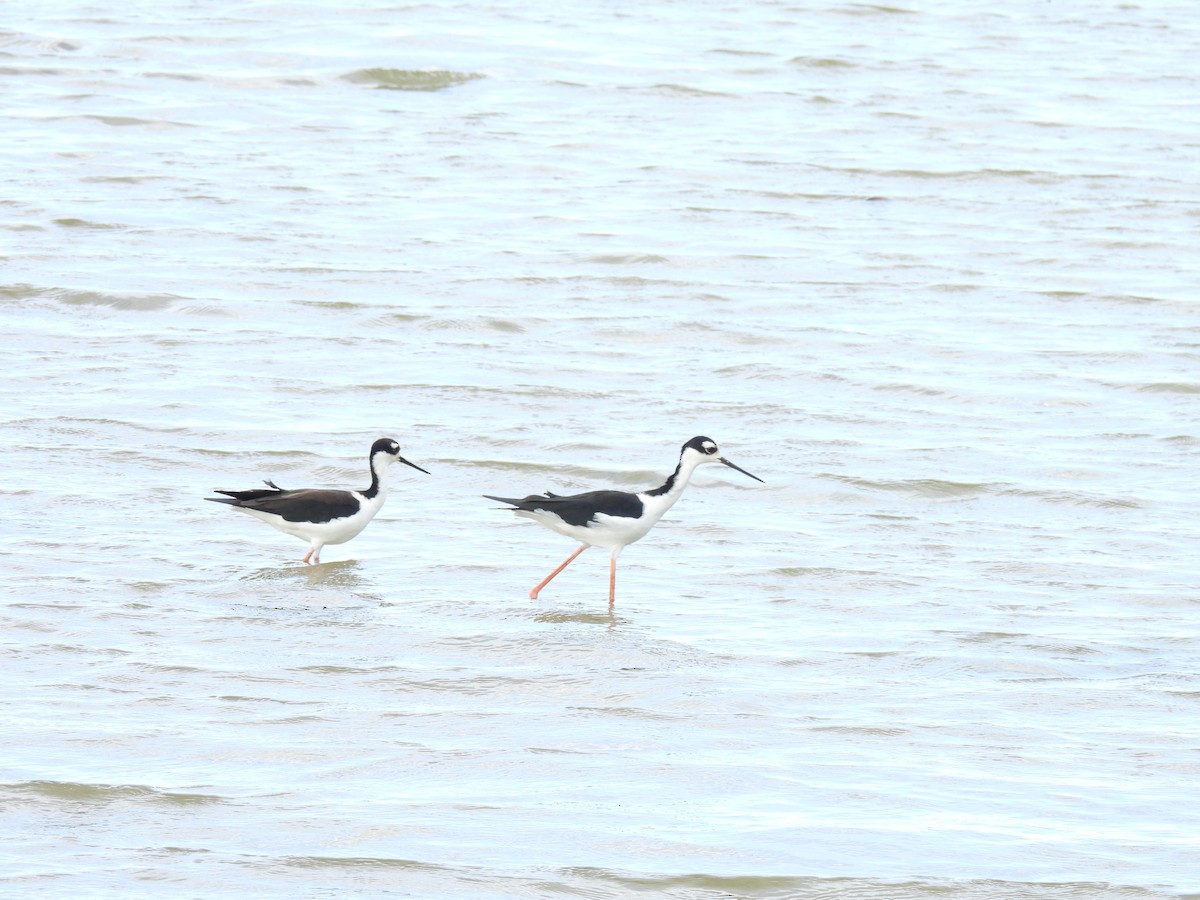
335, 531
603, 531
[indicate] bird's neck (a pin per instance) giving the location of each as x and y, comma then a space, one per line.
379, 480
665, 495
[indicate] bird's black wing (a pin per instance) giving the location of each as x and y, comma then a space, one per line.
579, 509
305, 505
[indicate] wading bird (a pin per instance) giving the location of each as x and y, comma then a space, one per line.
614, 519
317, 515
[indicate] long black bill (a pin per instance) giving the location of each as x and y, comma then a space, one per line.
740, 469
419, 469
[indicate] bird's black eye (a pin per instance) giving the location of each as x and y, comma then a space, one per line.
710, 449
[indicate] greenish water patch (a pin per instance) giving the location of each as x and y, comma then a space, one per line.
410, 79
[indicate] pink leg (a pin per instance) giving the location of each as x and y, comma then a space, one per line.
307, 555
612, 580
533, 594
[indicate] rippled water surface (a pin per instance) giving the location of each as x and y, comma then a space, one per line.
929, 271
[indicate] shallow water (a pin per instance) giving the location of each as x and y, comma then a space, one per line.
930, 273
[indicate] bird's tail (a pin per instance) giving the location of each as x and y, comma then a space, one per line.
509, 500
271, 490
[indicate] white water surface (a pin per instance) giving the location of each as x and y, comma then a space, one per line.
930, 271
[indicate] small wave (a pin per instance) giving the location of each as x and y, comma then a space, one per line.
756, 371
410, 79
262, 82
874, 9
924, 487
1029, 176
175, 76
863, 730
356, 862
913, 389
689, 91
28, 71
814, 572
69, 297
627, 259
121, 179
429, 323
128, 121
14, 39
822, 62
705, 885
1074, 498
1169, 387
732, 51
955, 288
105, 793
84, 223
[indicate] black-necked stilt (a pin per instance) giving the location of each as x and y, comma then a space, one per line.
614, 519
321, 516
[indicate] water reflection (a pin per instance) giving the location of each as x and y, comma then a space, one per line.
561, 617
347, 574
